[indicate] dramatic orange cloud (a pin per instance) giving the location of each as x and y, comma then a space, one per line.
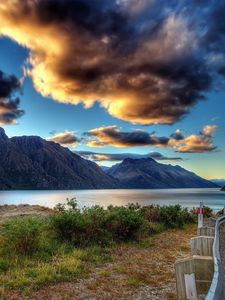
200, 143
88, 51
66, 138
113, 136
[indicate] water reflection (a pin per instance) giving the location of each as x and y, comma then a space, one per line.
185, 197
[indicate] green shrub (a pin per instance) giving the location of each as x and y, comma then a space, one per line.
151, 213
69, 227
95, 229
123, 223
21, 235
171, 216
96, 225
80, 227
208, 212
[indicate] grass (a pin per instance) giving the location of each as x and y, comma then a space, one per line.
31, 273
134, 282
112, 277
37, 252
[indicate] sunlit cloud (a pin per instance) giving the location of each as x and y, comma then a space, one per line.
67, 138
114, 136
196, 143
9, 103
146, 62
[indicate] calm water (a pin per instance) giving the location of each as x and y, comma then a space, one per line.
185, 197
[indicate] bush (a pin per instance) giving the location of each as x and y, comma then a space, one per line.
22, 235
208, 212
81, 228
151, 213
123, 223
172, 216
96, 225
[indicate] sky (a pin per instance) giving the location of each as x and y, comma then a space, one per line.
116, 79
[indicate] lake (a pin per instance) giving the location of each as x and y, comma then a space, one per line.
213, 198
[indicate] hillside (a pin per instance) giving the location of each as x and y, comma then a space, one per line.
147, 173
30, 162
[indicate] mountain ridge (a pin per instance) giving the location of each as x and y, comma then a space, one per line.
147, 173
30, 162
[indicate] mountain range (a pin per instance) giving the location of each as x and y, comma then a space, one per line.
30, 162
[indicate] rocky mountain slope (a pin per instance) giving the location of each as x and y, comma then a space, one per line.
147, 173
30, 162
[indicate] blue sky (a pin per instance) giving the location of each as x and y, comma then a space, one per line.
47, 116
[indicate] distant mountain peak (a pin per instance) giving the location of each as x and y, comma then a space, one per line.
3, 136
30, 162
147, 173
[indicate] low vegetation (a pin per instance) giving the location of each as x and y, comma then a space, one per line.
36, 251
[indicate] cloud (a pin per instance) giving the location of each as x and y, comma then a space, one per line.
9, 105
66, 138
194, 143
177, 135
146, 61
112, 135
100, 157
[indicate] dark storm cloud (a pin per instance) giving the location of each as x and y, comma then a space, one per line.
146, 62
216, 28
9, 104
98, 156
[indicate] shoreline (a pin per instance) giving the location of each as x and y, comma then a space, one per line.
23, 210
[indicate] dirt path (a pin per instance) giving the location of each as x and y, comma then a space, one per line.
137, 272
